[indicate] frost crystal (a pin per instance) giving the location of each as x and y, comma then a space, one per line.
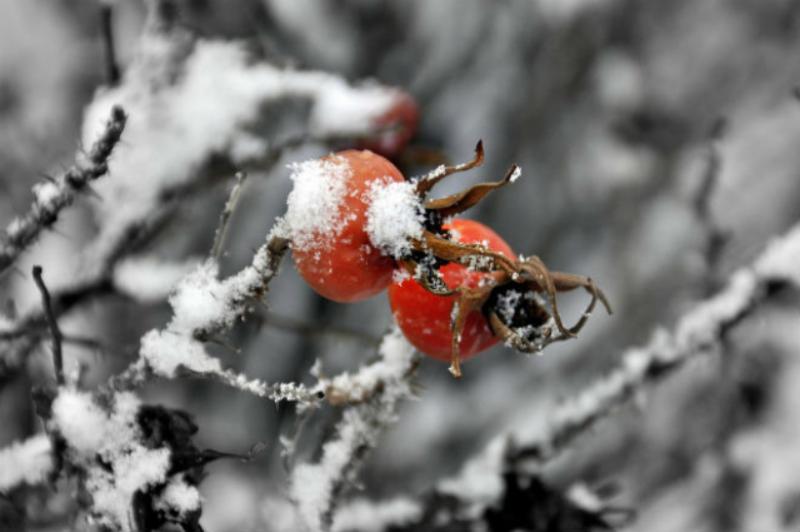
394, 215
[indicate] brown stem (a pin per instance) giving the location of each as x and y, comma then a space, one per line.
58, 361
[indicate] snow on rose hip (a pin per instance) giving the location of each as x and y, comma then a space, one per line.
353, 219
328, 215
352, 214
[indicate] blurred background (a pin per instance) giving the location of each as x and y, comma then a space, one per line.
618, 112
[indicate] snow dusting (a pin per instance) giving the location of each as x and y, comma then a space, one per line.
394, 215
313, 214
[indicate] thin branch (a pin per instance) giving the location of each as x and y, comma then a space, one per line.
317, 488
716, 236
305, 328
53, 196
109, 52
58, 359
227, 211
701, 331
178, 348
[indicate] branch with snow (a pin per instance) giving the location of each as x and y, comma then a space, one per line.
317, 487
204, 306
700, 331
166, 90
171, 116
51, 197
697, 332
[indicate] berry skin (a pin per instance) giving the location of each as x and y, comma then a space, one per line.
426, 318
349, 268
398, 125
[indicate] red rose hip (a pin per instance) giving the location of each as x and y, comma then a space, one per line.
426, 319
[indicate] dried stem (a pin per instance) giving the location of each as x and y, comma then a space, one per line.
227, 211
109, 51
58, 360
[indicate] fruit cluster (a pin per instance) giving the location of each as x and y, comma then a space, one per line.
455, 286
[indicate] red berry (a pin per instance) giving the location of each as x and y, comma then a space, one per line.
426, 319
397, 126
340, 262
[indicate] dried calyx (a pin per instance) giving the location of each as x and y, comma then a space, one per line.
518, 297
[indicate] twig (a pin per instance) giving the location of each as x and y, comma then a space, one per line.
697, 332
227, 211
716, 236
52, 197
178, 347
700, 331
310, 329
58, 360
316, 488
109, 53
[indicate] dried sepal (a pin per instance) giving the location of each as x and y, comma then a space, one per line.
465, 254
461, 201
429, 180
469, 300
427, 275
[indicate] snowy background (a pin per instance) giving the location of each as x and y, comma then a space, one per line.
659, 149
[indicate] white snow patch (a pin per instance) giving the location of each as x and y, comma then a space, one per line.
781, 259
28, 461
46, 193
80, 420
394, 215
342, 109
179, 497
148, 279
113, 436
313, 214
362, 515
480, 480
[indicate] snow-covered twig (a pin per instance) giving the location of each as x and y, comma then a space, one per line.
50, 197
204, 306
317, 487
697, 332
354, 388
